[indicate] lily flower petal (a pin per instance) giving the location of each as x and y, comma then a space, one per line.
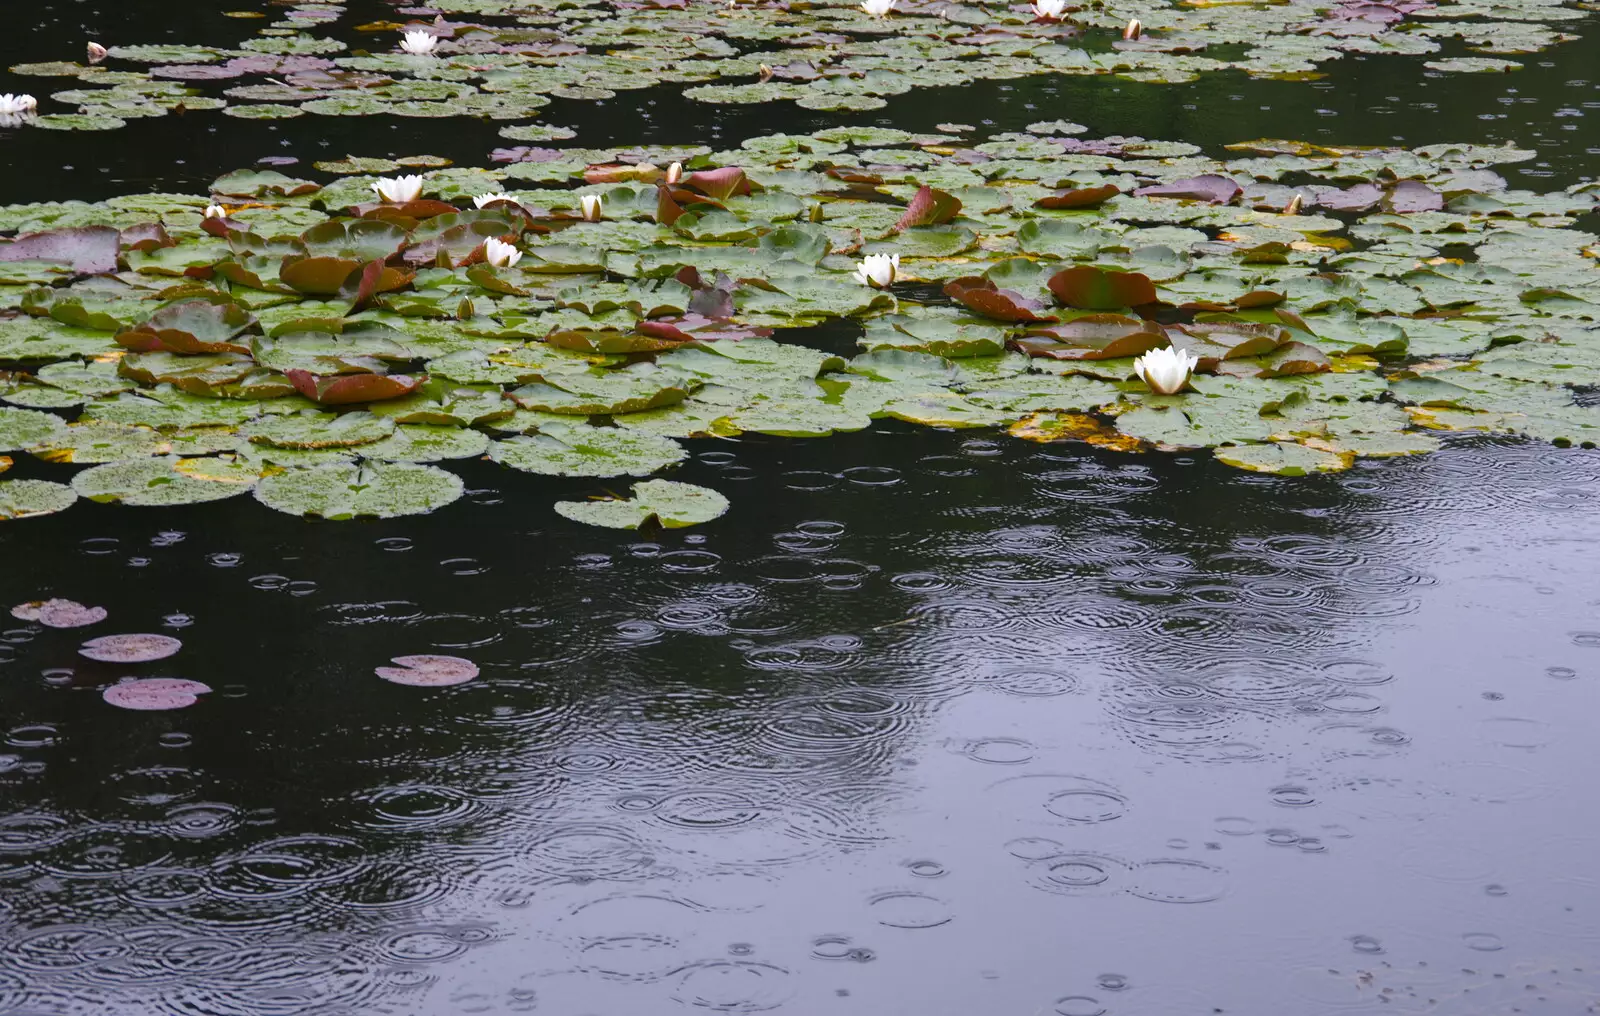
400, 190
1167, 370
419, 42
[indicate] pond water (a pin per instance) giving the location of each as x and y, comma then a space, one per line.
934, 722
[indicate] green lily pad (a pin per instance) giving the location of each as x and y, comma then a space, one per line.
667, 503
372, 490
168, 480
582, 450
20, 499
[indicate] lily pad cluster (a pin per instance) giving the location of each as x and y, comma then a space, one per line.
326, 353
506, 59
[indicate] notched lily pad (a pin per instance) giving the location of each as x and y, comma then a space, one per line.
142, 648
373, 490
428, 671
667, 503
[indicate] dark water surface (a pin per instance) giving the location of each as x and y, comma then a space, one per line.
930, 723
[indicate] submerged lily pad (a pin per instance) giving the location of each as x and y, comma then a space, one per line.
667, 503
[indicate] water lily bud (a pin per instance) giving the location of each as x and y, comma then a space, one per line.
1167, 370
97, 52
12, 104
483, 199
216, 212
401, 190
1294, 205
419, 42
878, 270
674, 173
1133, 31
500, 254
877, 8
816, 213
592, 206
766, 73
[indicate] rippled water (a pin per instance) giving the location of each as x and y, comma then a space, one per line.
931, 722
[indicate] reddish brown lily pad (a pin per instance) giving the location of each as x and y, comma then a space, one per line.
59, 613
1093, 337
719, 183
929, 207
154, 693
982, 295
429, 671
344, 389
1212, 187
1083, 197
1408, 196
142, 648
1089, 288
191, 326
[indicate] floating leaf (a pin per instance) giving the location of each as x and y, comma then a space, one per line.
345, 389
154, 693
667, 503
1283, 459
59, 613
1089, 288
429, 671
20, 499
373, 490
130, 648
582, 450
929, 207
163, 481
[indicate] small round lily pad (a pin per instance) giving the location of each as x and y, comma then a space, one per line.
372, 490
154, 693
429, 671
59, 613
667, 502
140, 648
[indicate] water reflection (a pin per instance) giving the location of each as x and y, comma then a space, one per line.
974, 718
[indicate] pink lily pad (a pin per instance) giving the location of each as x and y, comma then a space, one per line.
59, 613
130, 648
429, 671
152, 693
1219, 190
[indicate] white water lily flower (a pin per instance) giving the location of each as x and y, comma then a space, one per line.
17, 103
674, 173
877, 8
216, 212
96, 52
1134, 30
1052, 9
878, 270
1166, 371
500, 254
400, 190
592, 205
419, 42
483, 199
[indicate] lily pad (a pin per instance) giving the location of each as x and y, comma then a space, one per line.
20, 499
429, 671
666, 503
154, 693
168, 480
373, 490
143, 648
59, 613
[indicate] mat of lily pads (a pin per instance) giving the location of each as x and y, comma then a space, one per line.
505, 59
331, 355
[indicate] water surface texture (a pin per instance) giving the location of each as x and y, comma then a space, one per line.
930, 723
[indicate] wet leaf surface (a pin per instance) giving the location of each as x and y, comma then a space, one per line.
130, 648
